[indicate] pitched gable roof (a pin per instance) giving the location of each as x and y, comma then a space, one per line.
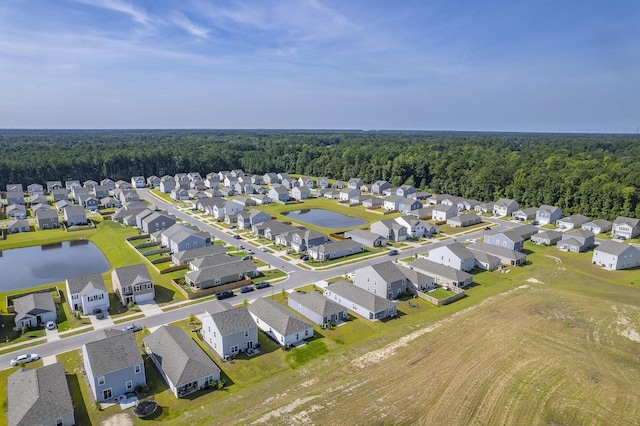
231, 320
116, 351
367, 300
85, 283
278, 317
317, 303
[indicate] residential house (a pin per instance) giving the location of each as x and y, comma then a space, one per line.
40, 206
392, 202
16, 226
35, 189
300, 193
271, 228
360, 301
405, 190
598, 226
547, 238
317, 308
332, 194
328, 251
437, 199
423, 213
389, 229
211, 261
442, 212
222, 274
506, 255
279, 193
89, 184
123, 184
137, 182
70, 184
194, 176
184, 366
185, 256
128, 195
179, 237
509, 239
486, 261
47, 219
14, 197
133, 284
625, 227
110, 184
548, 214
451, 200
338, 184
366, 188
615, 255
288, 182
74, 215
167, 186
572, 222
415, 228
257, 180
226, 209
100, 191
59, 195
279, 323
467, 219
39, 396
484, 208
270, 178
505, 207
467, 205
229, 331
16, 211
384, 279
212, 181
346, 194
525, 214
373, 203
366, 238
63, 204
90, 203
379, 186
323, 183
179, 194
304, 239
442, 275
53, 184
246, 219
79, 193
454, 255
306, 181
113, 365
110, 202
34, 310
153, 181
576, 241
86, 293
407, 205
156, 221
526, 231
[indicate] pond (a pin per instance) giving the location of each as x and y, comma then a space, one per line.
324, 218
32, 266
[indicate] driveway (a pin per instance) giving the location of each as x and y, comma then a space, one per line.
52, 335
106, 322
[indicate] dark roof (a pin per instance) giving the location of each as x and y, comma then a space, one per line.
317, 303
182, 360
85, 283
429, 267
278, 317
200, 252
38, 395
131, 275
231, 320
367, 300
223, 270
33, 304
116, 351
614, 248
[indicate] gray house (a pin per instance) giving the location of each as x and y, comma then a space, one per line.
186, 256
301, 192
625, 227
53, 184
317, 308
59, 194
360, 301
113, 365
211, 261
443, 275
572, 222
75, 215
14, 197
384, 279
355, 183
180, 237
334, 250
407, 205
508, 239
506, 255
614, 256
133, 284
86, 293
546, 215
392, 202
278, 193
184, 366
302, 240
379, 186
598, 226
279, 323
34, 310
505, 207
221, 274
366, 238
47, 219
525, 214
16, 211
576, 241
454, 255
18, 225
246, 219
110, 184
156, 221
463, 220
39, 396
389, 229
546, 238
442, 212
229, 331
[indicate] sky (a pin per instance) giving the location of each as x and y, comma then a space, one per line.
533, 66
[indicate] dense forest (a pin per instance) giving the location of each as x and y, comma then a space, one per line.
596, 175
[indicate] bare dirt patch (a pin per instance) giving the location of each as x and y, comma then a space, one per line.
120, 419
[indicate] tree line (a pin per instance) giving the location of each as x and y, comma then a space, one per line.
596, 175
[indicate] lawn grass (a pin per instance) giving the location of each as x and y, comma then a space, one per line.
441, 293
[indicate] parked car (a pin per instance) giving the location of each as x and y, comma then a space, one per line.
51, 325
392, 252
471, 240
246, 289
262, 284
245, 258
487, 228
305, 258
224, 294
24, 358
237, 237
251, 252
232, 227
132, 327
263, 249
98, 313
289, 251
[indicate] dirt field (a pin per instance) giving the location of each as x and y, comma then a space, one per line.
534, 355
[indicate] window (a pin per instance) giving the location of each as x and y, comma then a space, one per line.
100, 380
137, 288
129, 384
246, 333
149, 286
59, 422
137, 369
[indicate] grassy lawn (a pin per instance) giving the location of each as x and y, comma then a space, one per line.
441, 293
162, 196
269, 274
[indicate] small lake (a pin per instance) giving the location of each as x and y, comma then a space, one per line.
32, 266
324, 218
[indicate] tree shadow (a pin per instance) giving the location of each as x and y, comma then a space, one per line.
79, 408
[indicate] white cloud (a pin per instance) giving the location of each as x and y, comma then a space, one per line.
189, 26
120, 6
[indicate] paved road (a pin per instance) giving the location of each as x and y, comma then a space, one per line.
296, 277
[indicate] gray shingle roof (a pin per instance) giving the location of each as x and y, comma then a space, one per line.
199, 252
367, 300
278, 317
459, 250
33, 304
182, 360
388, 271
38, 396
225, 270
497, 251
614, 248
429, 266
337, 246
231, 320
114, 352
84, 283
215, 260
622, 220
131, 275
549, 235
317, 303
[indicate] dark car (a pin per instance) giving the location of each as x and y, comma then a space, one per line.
246, 289
487, 228
98, 313
305, 258
224, 294
237, 237
262, 284
392, 252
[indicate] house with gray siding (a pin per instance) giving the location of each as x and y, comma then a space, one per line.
39, 396
525, 214
334, 250
34, 310
246, 219
184, 366
571, 222
180, 237
486, 261
442, 275
278, 193
229, 331
86, 293
442, 212
277, 322
506, 255
300, 193
133, 284
303, 239
384, 279
53, 184
222, 274
379, 186
615, 255
14, 196
463, 220
59, 195
113, 365
509, 239
211, 261
167, 186
74, 215
360, 301
110, 184
576, 241
389, 229
546, 215
408, 205
16, 226
392, 202
625, 227
47, 219
156, 221
415, 228
16, 211
505, 207
454, 255
317, 308
546, 238
185, 256
366, 238
598, 226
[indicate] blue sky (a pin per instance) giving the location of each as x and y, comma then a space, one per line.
539, 66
